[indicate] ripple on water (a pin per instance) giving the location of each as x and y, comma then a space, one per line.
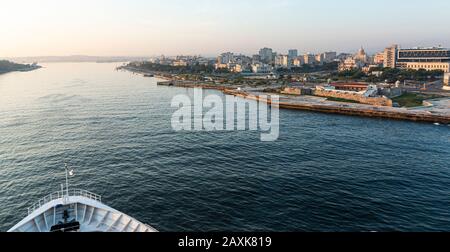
325, 173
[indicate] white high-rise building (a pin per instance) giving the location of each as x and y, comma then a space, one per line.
390, 56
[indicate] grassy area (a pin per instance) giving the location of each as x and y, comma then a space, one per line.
340, 100
410, 100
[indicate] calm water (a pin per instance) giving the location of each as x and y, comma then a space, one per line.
325, 173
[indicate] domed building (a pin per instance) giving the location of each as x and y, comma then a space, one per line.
361, 55
358, 61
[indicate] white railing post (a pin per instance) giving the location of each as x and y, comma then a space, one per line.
62, 195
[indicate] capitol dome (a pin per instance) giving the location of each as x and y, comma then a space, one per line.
361, 55
361, 51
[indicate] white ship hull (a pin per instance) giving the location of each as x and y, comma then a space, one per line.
77, 211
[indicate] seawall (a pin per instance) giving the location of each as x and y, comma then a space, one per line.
355, 110
381, 112
376, 101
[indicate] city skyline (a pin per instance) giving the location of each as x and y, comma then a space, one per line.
174, 27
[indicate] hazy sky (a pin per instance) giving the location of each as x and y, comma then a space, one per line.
207, 27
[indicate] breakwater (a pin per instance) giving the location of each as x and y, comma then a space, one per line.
193, 84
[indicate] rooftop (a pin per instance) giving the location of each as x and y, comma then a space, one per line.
349, 84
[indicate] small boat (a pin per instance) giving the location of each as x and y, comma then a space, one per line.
437, 124
75, 210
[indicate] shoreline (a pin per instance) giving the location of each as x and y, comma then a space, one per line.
329, 108
23, 70
159, 75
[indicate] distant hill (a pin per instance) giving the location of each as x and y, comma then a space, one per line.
8, 66
77, 58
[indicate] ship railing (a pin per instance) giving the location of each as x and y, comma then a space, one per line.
61, 195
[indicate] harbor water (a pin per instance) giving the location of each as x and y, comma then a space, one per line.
325, 172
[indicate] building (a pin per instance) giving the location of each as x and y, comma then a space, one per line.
320, 58
349, 64
379, 58
376, 73
369, 67
266, 55
430, 66
358, 61
179, 63
447, 81
162, 60
256, 58
362, 93
235, 68
343, 56
390, 56
186, 60
242, 60
291, 91
424, 58
362, 56
298, 62
309, 59
205, 62
329, 57
433, 58
261, 68
234, 63
221, 66
225, 58
356, 87
282, 61
292, 54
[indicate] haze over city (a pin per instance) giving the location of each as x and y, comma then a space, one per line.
208, 27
